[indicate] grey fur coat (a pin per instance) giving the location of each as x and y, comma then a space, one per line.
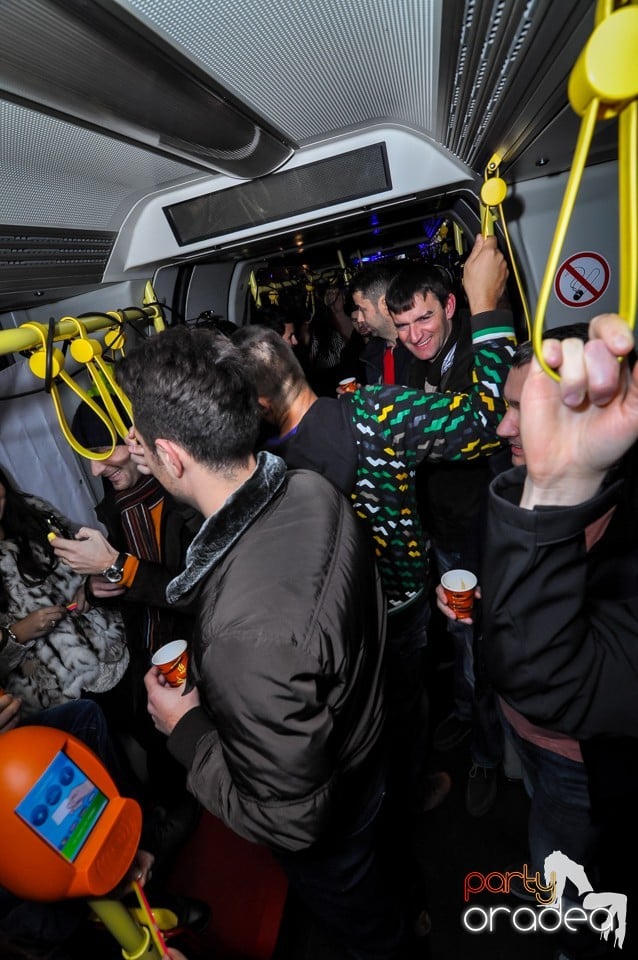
87, 652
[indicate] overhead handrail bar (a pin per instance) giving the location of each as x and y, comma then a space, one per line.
23, 337
603, 84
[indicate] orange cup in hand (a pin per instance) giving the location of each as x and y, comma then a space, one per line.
459, 586
172, 660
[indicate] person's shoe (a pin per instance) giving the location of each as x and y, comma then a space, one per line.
436, 788
165, 831
450, 732
190, 914
480, 792
423, 924
173, 913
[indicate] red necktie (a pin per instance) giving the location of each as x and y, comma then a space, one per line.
388, 365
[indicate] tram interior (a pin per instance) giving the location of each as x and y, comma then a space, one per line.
216, 149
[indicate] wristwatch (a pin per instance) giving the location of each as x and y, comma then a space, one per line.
6, 634
115, 572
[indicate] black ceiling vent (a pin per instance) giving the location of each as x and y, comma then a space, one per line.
350, 176
55, 257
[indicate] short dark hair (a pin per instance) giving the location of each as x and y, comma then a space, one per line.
25, 524
415, 278
190, 386
270, 364
373, 282
525, 351
272, 317
523, 354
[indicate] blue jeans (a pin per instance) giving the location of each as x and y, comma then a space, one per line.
85, 720
462, 635
560, 815
474, 699
346, 884
407, 708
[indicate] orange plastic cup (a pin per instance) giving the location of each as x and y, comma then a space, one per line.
459, 586
172, 660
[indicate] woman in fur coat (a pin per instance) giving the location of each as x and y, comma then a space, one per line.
48, 655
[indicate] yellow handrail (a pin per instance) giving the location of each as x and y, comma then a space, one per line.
22, 337
493, 192
603, 84
46, 359
89, 352
38, 367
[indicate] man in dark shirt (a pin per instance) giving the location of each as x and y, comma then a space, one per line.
423, 306
383, 359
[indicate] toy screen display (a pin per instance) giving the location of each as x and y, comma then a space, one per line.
63, 806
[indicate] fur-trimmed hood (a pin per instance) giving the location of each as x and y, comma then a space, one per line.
220, 531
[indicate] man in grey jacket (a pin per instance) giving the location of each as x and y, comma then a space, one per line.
280, 726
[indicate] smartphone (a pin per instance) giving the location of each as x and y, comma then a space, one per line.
57, 528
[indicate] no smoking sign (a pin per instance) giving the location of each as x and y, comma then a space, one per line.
582, 279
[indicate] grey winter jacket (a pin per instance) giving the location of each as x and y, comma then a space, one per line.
287, 656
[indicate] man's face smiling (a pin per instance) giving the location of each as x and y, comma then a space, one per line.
510, 426
118, 469
425, 327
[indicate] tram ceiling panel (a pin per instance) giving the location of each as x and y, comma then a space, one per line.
105, 103
94, 63
472, 75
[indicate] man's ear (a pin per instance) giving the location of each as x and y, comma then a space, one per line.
383, 307
450, 306
172, 456
266, 409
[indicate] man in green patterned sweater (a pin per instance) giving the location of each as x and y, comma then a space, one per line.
369, 444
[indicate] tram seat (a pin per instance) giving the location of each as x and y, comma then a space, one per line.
243, 885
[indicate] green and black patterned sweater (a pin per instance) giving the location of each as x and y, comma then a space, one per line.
370, 442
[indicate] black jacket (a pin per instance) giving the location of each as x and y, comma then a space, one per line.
371, 359
561, 623
287, 657
178, 526
451, 495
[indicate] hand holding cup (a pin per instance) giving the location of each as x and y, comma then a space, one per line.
172, 661
459, 587
349, 385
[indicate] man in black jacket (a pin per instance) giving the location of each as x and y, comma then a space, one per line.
560, 593
280, 727
383, 359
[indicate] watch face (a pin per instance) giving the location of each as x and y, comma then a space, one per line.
113, 574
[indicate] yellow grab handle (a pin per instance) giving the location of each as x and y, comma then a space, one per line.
493, 193
38, 366
603, 84
89, 353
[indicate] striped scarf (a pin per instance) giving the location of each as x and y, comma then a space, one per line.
137, 522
